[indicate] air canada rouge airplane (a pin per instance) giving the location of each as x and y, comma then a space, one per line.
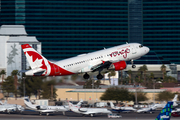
110, 59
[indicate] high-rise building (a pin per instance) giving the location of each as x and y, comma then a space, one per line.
70, 27
161, 28
67, 28
12, 56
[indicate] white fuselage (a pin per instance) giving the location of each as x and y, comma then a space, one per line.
88, 111
176, 110
41, 108
7, 108
121, 109
83, 63
124, 109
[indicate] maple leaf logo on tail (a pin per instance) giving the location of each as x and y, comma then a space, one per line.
34, 58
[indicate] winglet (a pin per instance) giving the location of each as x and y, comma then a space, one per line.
165, 113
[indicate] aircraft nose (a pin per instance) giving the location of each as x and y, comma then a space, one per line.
147, 49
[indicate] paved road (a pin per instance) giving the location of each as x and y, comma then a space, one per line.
71, 115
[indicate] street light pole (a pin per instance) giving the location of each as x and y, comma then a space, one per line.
154, 91
92, 91
135, 92
24, 85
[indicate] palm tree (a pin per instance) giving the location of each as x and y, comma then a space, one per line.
152, 78
111, 73
74, 77
163, 69
3, 73
144, 68
129, 72
140, 70
15, 73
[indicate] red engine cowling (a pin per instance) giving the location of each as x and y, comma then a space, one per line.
118, 66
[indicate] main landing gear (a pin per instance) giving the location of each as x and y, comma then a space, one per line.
99, 76
133, 66
86, 76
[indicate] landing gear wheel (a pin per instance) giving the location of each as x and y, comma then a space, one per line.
91, 115
40, 113
133, 66
47, 114
86, 76
63, 113
99, 76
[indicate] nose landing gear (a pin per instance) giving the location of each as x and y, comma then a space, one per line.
133, 66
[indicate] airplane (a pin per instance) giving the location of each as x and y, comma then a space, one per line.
47, 109
10, 107
176, 110
88, 111
155, 106
122, 109
110, 59
165, 113
148, 109
163, 104
5, 102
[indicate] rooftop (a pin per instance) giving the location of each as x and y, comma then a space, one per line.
7, 30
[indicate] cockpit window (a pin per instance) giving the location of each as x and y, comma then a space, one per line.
140, 46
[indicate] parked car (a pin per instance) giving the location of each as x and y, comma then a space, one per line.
114, 115
175, 114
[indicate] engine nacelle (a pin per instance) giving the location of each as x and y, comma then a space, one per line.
40, 107
118, 66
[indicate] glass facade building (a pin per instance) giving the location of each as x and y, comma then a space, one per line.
67, 28
161, 28
71, 27
135, 21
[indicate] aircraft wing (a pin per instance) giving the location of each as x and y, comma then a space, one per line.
8, 108
90, 112
104, 64
46, 111
2, 109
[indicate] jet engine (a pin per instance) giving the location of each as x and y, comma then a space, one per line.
118, 66
41, 107
82, 109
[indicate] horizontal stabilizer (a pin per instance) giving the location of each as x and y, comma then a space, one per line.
39, 73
